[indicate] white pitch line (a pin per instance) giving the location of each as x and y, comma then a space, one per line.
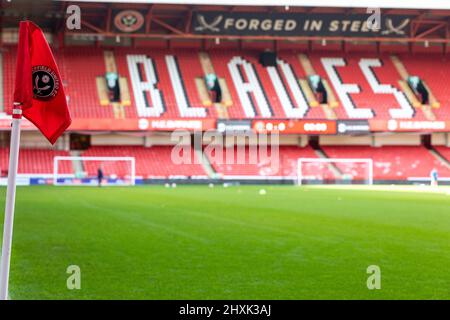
395, 188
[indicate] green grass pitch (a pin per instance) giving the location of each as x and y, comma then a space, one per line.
195, 242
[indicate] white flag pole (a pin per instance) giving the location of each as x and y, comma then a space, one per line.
10, 201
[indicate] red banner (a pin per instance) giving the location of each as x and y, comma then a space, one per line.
300, 126
143, 124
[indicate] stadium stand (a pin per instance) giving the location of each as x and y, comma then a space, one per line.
80, 75
444, 151
80, 66
152, 162
436, 72
34, 161
228, 165
390, 162
381, 104
393, 162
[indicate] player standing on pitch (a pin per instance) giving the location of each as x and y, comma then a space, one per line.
434, 177
99, 176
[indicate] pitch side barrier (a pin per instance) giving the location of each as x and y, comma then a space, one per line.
47, 179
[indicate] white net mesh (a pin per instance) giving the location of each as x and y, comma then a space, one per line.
334, 171
94, 171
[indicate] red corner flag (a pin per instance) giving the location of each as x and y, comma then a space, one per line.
38, 85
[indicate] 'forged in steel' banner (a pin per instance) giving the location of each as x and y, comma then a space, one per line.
299, 24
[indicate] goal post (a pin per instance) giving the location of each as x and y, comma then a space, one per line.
334, 171
83, 171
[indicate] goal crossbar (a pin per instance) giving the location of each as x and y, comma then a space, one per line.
58, 159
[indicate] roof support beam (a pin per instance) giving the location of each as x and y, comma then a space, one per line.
167, 26
148, 19
181, 35
438, 25
92, 27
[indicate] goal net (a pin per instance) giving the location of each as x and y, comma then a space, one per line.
334, 171
84, 171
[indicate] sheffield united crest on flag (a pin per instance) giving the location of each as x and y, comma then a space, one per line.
38, 85
45, 83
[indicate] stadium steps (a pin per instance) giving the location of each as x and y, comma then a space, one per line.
206, 164
426, 109
327, 108
331, 166
125, 97
77, 165
306, 64
111, 66
332, 100
404, 74
118, 110
400, 67
329, 112
434, 103
203, 92
439, 157
309, 94
409, 94
207, 67
102, 90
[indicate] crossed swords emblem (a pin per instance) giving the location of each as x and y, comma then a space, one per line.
203, 25
392, 29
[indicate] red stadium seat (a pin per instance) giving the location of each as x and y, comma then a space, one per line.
393, 162
263, 166
35, 161
152, 162
81, 65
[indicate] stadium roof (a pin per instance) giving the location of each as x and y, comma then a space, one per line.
189, 19
403, 4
